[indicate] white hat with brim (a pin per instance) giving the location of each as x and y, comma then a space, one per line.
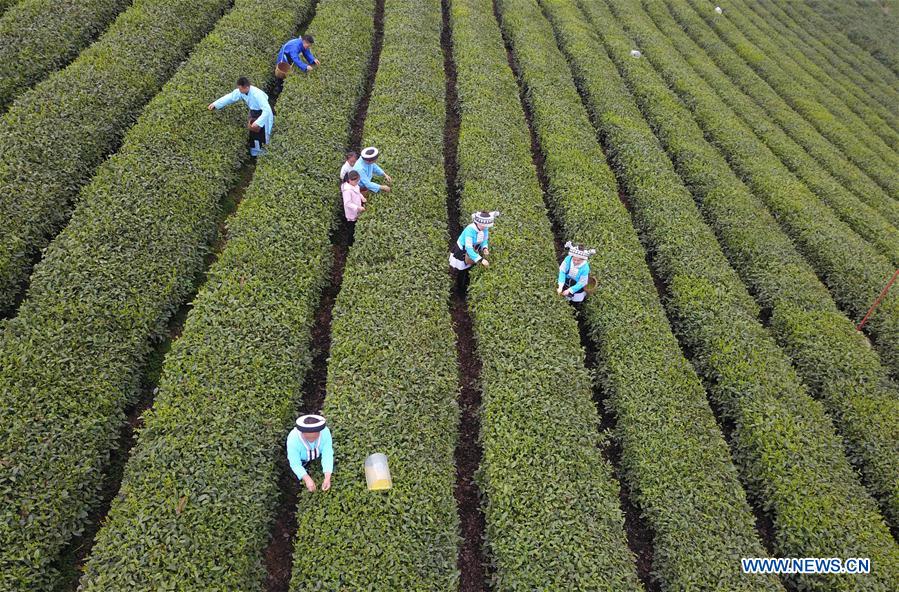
370, 153
488, 220
310, 423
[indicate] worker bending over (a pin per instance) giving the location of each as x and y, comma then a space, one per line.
310, 440
367, 168
261, 117
574, 273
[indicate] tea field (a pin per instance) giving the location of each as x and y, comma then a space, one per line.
169, 305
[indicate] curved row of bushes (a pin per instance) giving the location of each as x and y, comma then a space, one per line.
875, 222
392, 373
838, 96
839, 366
231, 383
793, 125
863, 148
790, 456
550, 494
853, 270
836, 38
866, 25
673, 456
71, 360
54, 136
817, 46
38, 37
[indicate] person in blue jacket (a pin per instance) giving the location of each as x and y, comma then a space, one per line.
261, 118
310, 440
298, 52
368, 168
471, 247
574, 273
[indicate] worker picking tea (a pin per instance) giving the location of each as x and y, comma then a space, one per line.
261, 116
574, 273
308, 441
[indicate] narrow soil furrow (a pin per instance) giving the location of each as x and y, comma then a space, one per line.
279, 553
472, 562
639, 535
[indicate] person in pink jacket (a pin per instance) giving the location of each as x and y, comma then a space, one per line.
353, 201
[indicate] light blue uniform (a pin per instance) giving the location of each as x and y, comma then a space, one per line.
366, 171
470, 242
256, 100
300, 451
578, 275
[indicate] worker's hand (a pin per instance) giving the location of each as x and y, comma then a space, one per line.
364, 200
211, 107
326, 484
254, 127
317, 62
310, 484
485, 263
310, 68
566, 293
384, 188
486, 251
559, 290
388, 178
361, 208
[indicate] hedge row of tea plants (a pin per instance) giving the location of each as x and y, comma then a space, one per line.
70, 362
839, 366
739, 74
864, 149
233, 379
865, 24
673, 456
857, 200
816, 46
54, 136
838, 96
853, 270
748, 377
392, 372
4, 4
38, 37
835, 38
550, 494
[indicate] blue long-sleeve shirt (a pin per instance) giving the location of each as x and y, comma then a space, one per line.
579, 275
294, 49
471, 239
366, 171
297, 453
256, 100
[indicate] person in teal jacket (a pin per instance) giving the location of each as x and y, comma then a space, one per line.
474, 242
310, 440
261, 119
368, 168
574, 273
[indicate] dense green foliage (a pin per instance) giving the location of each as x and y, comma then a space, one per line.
673, 455
862, 147
871, 25
834, 181
232, 380
70, 361
539, 424
848, 85
38, 37
853, 270
838, 364
54, 136
747, 375
392, 375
